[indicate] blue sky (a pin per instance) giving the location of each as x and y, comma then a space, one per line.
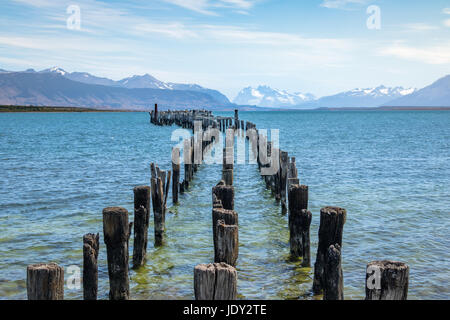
317, 46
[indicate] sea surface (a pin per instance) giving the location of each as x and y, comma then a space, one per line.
390, 170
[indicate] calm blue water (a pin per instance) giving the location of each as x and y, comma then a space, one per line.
390, 170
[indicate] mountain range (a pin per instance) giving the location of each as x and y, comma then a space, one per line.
265, 96
56, 87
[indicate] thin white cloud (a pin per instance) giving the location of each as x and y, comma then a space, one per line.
37, 3
435, 55
207, 6
446, 11
447, 23
341, 4
420, 27
174, 30
200, 6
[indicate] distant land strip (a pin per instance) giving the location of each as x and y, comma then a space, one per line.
55, 109
10, 108
387, 108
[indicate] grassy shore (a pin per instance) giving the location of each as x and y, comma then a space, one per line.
52, 109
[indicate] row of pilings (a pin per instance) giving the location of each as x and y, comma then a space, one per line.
385, 280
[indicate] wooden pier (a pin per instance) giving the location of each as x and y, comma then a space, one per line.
217, 278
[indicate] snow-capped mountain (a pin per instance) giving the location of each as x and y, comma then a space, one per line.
145, 81
57, 87
265, 96
434, 95
360, 98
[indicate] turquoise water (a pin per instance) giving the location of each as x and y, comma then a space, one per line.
390, 170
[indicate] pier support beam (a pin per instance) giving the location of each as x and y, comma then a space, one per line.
387, 280
176, 174
217, 281
333, 276
227, 176
45, 282
141, 223
116, 231
225, 194
332, 220
91, 246
226, 243
158, 210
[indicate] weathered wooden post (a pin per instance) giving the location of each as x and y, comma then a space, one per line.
225, 194
226, 243
332, 220
141, 223
215, 281
230, 217
284, 161
45, 281
116, 231
176, 174
187, 154
158, 210
292, 181
299, 224
387, 280
227, 176
91, 245
333, 276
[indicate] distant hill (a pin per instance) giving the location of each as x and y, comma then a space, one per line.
54, 89
434, 95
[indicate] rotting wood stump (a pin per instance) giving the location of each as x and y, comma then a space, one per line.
91, 246
225, 194
116, 230
332, 220
299, 224
45, 281
387, 280
226, 243
215, 281
333, 276
230, 217
141, 223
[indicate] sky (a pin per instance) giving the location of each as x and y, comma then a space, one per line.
312, 46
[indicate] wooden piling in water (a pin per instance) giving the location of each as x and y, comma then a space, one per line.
225, 194
116, 231
387, 280
215, 281
226, 248
176, 174
91, 246
45, 281
299, 225
332, 220
158, 210
333, 276
227, 176
284, 161
141, 223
